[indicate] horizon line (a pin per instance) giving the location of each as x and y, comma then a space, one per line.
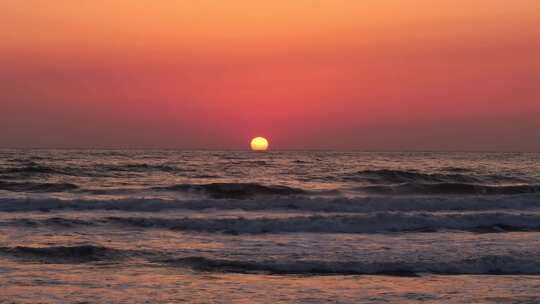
275, 150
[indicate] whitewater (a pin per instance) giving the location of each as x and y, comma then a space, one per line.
129, 226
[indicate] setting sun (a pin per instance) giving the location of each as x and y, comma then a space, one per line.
259, 144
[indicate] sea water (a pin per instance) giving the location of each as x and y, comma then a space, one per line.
136, 226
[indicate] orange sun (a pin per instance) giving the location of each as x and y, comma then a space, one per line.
259, 144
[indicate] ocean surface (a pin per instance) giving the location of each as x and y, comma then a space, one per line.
165, 226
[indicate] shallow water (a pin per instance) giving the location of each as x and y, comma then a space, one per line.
309, 227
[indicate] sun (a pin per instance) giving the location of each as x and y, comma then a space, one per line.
259, 144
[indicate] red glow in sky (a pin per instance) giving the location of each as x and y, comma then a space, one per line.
317, 74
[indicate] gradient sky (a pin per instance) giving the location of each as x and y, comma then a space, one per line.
308, 74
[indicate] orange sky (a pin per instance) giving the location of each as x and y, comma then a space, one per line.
321, 74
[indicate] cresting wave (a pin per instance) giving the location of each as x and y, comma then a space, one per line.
453, 175
233, 190
211, 190
319, 204
488, 264
450, 189
368, 223
381, 176
253, 190
28, 169
377, 223
62, 254
247, 190
34, 187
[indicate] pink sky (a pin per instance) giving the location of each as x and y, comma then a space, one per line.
317, 74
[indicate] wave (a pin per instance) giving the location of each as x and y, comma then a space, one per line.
242, 191
61, 254
456, 169
450, 189
31, 168
483, 265
100, 170
233, 190
53, 222
36, 187
378, 223
457, 175
371, 223
212, 190
490, 264
320, 204
141, 167
384, 222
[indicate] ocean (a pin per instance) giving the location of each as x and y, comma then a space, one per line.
168, 226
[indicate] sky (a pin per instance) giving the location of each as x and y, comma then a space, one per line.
306, 74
